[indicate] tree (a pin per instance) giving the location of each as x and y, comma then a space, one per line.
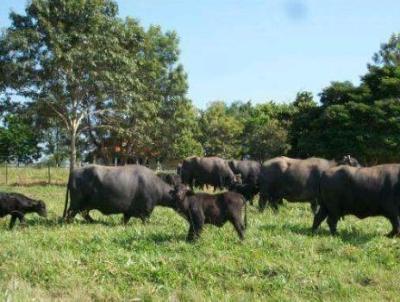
182, 132
220, 131
389, 53
266, 131
305, 111
359, 120
72, 56
19, 137
339, 93
150, 123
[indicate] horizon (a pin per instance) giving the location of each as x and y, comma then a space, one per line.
275, 50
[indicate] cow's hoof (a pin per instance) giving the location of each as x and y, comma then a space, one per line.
393, 234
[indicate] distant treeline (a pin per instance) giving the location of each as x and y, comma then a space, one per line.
99, 88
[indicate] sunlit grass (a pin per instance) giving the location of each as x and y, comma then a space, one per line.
279, 260
32, 175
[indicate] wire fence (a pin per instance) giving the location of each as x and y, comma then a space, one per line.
11, 174
46, 174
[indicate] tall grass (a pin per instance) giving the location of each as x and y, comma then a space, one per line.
280, 260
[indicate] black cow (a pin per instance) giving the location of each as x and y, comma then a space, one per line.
17, 205
170, 178
132, 190
201, 171
249, 170
363, 192
247, 190
203, 208
296, 180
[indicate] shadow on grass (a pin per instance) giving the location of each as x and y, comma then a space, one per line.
157, 238
352, 237
37, 183
59, 222
29, 222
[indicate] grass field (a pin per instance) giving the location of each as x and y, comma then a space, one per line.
280, 260
30, 175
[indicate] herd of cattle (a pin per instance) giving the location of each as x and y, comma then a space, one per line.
333, 188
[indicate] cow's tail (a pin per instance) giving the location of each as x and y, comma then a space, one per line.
245, 213
66, 196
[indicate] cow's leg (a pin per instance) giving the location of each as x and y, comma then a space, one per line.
395, 221
332, 223
314, 206
144, 218
71, 213
319, 217
196, 225
87, 217
262, 202
275, 202
239, 226
126, 218
12, 221
14, 216
192, 183
251, 200
190, 235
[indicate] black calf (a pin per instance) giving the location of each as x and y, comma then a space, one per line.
17, 205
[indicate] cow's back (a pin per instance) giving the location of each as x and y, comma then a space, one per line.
292, 179
361, 191
116, 189
302, 178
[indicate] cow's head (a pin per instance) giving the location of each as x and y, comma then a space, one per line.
178, 195
349, 161
40, 208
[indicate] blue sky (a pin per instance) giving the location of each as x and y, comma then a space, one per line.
265, 50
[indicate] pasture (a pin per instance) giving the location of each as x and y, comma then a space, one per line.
279, 260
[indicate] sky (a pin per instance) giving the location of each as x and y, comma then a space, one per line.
264, 50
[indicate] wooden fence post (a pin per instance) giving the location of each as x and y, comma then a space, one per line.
48, 173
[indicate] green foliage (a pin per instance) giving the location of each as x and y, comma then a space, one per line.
181, 132
220, 131
389, 53
148, 123
19, 138
339, 93
359, 120
266, 131
81, 61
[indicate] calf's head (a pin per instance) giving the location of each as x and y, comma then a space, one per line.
40, 208
178, 195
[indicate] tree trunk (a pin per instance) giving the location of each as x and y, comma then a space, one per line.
72, 154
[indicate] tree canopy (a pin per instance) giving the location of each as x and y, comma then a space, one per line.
100, 87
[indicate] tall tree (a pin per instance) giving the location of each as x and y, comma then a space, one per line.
71, 56
149, 124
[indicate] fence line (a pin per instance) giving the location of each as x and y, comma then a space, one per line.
12, 174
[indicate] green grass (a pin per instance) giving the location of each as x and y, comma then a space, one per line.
31, 175
280, 260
